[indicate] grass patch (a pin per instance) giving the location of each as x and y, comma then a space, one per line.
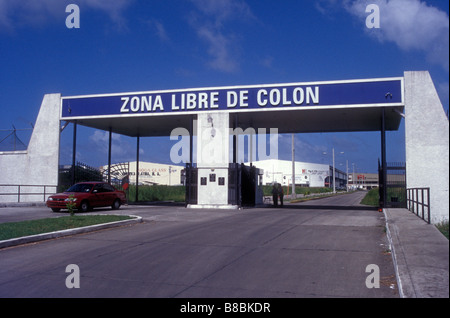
32, 227
371, 198
313, 197
443, 227
317, 195
267, 190
157, 193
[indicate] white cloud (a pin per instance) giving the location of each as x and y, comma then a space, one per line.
411, 25
219, 49
158, 29
267, 62
161, 31
19, 13
224, 10
113, 8
121, 150
209, 23
305, 150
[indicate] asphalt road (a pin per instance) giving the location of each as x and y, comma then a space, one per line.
319, 248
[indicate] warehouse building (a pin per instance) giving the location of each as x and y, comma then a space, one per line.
150, 173
365, 181
306, 174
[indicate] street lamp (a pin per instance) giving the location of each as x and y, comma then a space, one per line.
346, 172
334, 175
334, 170
353, 176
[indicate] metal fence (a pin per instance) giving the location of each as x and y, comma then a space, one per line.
191, 175
395, 192
25, 192
69, 175
418, 202
10, 141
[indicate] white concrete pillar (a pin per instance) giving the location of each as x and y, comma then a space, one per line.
427, 142
213, 153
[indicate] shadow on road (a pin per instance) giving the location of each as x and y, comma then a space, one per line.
157, 203
324, 207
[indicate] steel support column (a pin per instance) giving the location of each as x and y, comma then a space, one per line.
137, 169
293, 194
235, 150
109, 155
74, 151
383, 158
191, 161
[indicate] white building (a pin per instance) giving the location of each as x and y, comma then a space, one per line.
149, 172
306, 174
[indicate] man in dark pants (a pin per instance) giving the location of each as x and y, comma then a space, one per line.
275, 194
280, 193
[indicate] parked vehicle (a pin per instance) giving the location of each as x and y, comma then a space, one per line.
88, 195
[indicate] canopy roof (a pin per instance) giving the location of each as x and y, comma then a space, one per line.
334, 106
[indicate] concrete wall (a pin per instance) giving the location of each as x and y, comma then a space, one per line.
38, 165
427, 142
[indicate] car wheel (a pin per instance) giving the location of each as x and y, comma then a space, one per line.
116, 204
84, 206
56, 209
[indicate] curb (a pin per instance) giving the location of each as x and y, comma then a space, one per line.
21, 204
394, 256
62, 233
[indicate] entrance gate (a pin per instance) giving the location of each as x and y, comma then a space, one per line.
217, 115
395, 182
376, 104
244, 188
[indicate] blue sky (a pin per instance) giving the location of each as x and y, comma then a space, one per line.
126, 46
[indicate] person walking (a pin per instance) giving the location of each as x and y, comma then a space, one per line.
275, 194
280, 193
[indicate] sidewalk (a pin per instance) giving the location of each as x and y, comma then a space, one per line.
420, 253
20, 204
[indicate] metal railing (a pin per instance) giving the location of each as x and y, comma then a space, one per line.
418, 200
22, 191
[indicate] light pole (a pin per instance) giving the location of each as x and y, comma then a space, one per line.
353, 176
334, 170
293, 168
334, 175
346, 172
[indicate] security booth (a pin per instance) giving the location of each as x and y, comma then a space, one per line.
244, 186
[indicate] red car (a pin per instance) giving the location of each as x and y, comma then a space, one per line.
88, 195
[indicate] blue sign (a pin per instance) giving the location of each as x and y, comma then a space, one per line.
380, 92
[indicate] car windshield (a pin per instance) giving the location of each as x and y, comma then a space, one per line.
80, 188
